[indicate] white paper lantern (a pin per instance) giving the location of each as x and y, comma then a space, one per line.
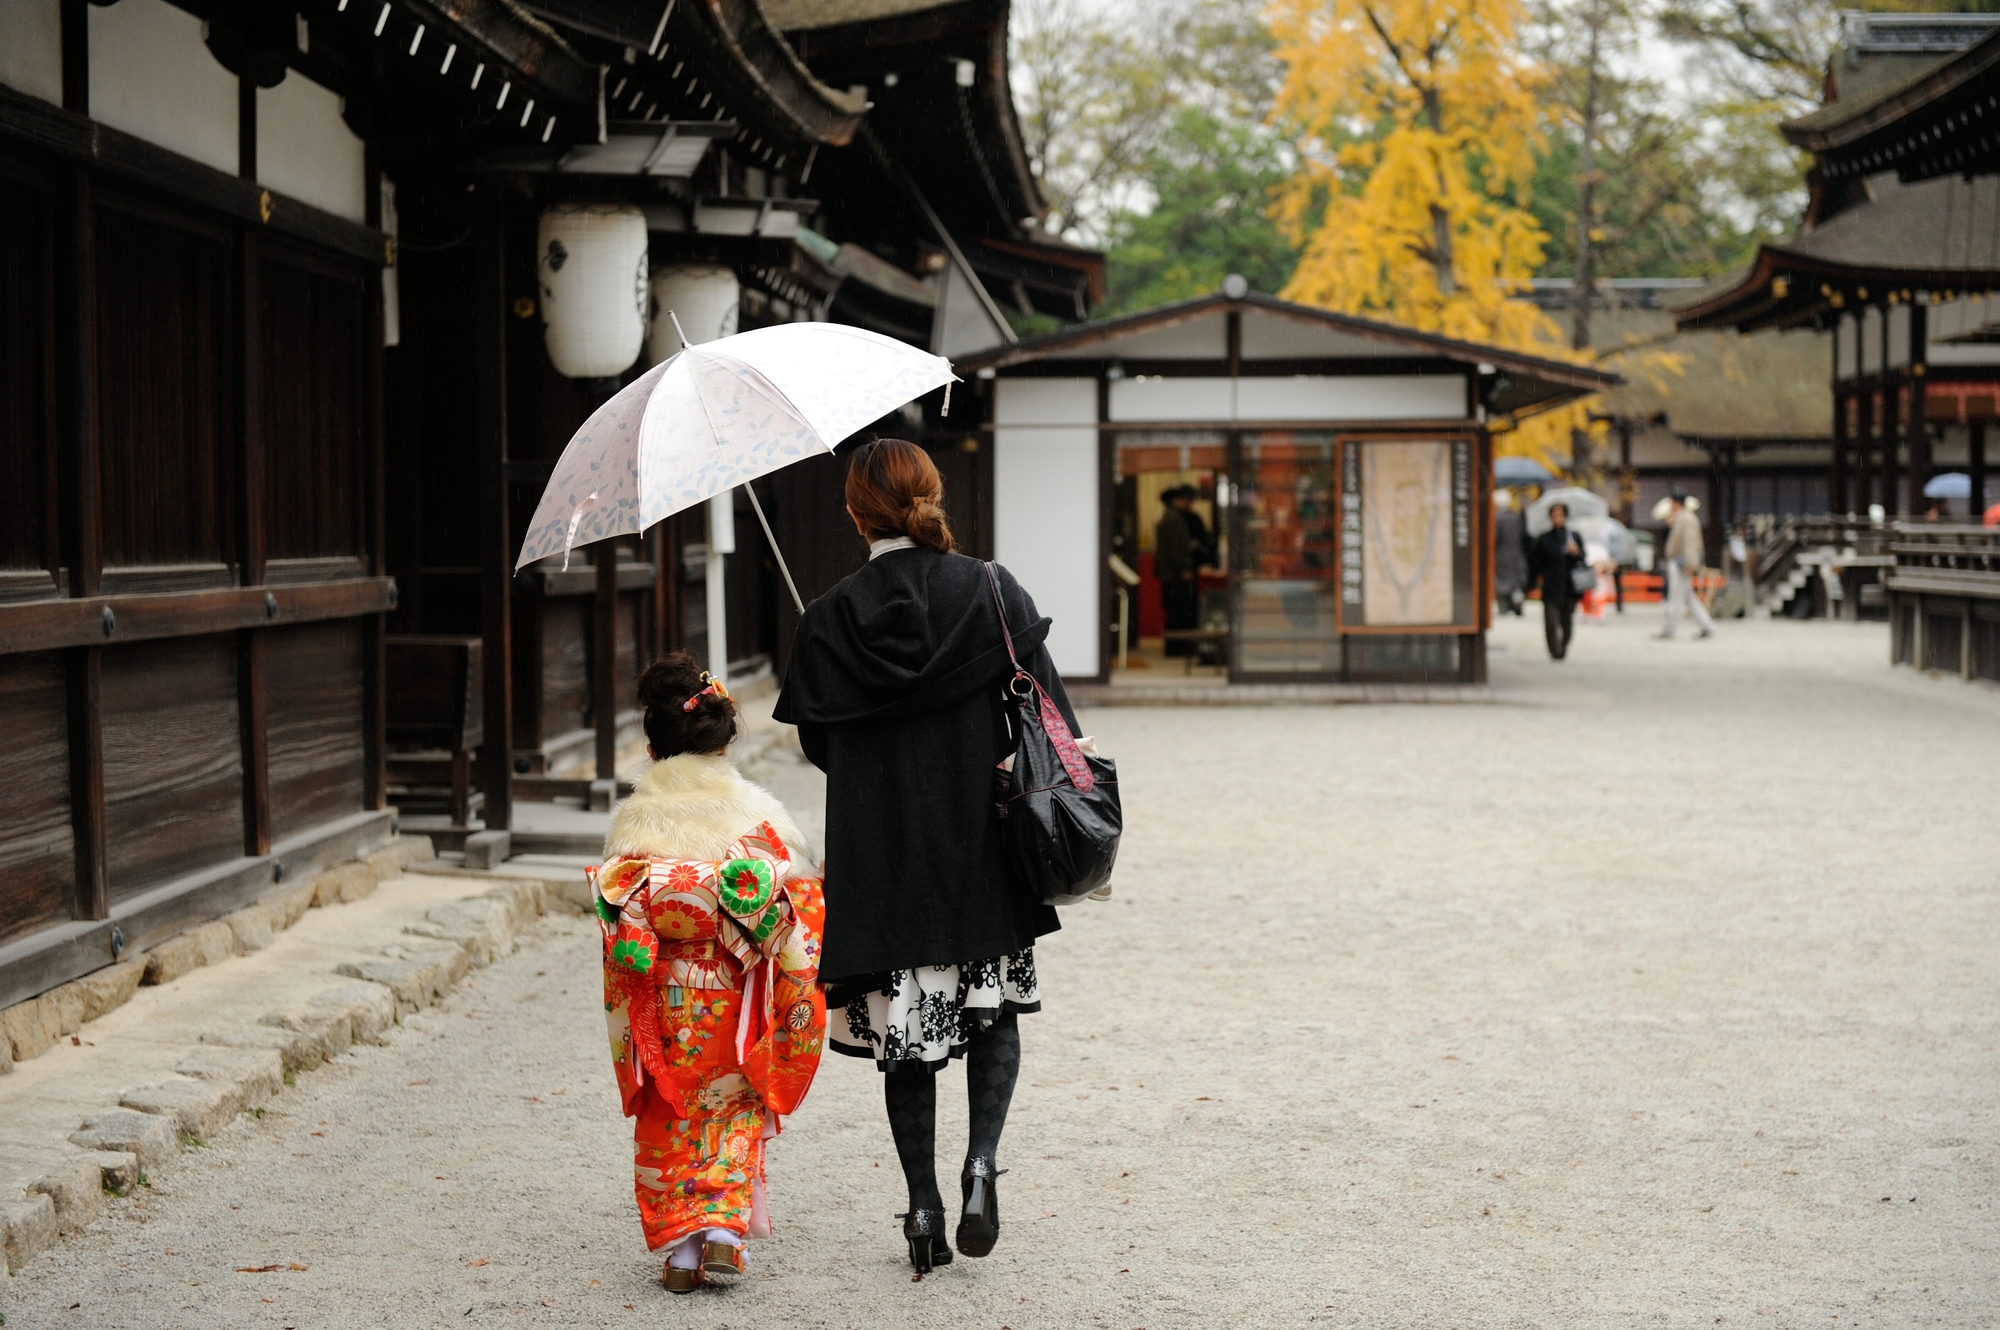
705, 298
591, 262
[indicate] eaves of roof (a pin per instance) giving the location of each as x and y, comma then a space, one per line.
1580, 378
1844, 123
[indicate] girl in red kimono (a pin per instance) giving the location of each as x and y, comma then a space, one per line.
712, 912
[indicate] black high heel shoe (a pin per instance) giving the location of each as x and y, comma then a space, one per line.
979, 1221
924, 1230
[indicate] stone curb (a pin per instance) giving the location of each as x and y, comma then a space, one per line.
238, 1067
29, 1029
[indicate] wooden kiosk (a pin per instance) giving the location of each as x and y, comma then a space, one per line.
1347, 465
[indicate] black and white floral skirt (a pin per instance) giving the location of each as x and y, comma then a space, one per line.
922, 1017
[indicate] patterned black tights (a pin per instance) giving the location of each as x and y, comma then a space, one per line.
992, 1065
912, 1100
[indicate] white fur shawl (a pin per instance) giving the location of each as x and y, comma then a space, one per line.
692, 806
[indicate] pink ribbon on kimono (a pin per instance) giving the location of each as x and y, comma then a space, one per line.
752, 1016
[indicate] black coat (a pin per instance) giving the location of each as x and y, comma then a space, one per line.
1550, 560
895, 682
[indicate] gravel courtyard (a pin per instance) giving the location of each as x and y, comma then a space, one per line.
1665, 997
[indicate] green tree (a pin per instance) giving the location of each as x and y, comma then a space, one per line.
1101, 90
1626, 184
1213, 181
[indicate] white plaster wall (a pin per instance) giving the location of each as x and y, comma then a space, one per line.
1847, 344
1899, 335
1170, 399
1871, 340
151, 76
1301, 397
1360, 397
1046, 508
31, 47
1045, 402
1275, 337
305, 150
1045, 519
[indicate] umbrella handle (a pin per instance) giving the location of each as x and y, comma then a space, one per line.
772, 540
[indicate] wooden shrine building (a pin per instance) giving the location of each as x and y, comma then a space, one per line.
279, 387
1345, 465
1895, 257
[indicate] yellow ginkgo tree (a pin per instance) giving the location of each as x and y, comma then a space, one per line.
1417, 123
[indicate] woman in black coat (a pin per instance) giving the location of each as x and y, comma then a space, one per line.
896, 683
1551, 557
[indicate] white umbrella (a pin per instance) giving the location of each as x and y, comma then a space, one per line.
1583, 505
719, 415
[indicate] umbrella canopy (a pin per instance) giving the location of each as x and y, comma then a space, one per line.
719, 415
1948, 485
1520, 471
1583, 505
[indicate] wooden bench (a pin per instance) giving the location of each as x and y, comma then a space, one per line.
436, 699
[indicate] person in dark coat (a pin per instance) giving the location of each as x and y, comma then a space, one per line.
897, 682
1551, 556
1176, 556
1510, 559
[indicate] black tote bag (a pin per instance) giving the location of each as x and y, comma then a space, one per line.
1060, 817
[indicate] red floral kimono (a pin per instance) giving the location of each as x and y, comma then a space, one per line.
711, 996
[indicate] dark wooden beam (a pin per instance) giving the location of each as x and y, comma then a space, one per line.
1107, 523
76, 56
604, 659
76, 380
1976, 468
1864, 437
80, 513
374, 503
1836, 494
86, 782
496, 547
253, 727
52, 625
252, 708
246, 129
1918, 428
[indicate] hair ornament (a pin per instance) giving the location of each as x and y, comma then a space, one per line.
714, 685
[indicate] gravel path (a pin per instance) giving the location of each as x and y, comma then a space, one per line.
1667, 1002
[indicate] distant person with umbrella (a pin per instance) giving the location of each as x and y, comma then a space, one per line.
1684, 554
1510, 554
1552, 557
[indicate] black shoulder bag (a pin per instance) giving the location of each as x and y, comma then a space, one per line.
1060, 818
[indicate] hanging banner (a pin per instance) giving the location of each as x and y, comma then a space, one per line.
1405, 541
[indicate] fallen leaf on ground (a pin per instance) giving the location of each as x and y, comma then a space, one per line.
257, 1269
295, 1266
484, 1260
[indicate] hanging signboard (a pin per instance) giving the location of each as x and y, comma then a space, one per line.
1406, 531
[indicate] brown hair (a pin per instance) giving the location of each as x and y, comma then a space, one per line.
664, 690
894, 488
